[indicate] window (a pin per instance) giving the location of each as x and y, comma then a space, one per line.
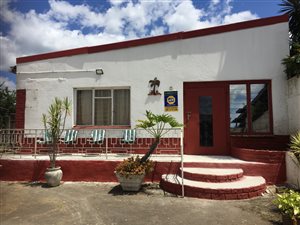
103, 107
206, 121
249, 108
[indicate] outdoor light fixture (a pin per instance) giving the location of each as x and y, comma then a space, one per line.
99, 71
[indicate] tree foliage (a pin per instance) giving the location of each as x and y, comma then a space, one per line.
292, 62
292, 9
7, 104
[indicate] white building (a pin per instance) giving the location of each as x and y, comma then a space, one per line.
227, 81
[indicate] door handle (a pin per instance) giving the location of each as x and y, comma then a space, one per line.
188, 116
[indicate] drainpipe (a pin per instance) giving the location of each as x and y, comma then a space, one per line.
181, 153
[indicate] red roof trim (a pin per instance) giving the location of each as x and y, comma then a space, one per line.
157, 39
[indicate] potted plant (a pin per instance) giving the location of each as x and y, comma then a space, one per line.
54, 124
293, 162
289, 205
131, 171
292, 62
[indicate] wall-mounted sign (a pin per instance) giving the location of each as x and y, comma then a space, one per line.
171, 101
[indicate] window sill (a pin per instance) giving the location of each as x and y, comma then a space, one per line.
89, 127
252, 135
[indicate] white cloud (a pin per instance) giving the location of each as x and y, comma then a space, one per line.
215, 2
7, 53
52, 30
184, 17
238, 17
7, 83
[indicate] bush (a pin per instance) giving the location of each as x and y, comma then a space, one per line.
289, 203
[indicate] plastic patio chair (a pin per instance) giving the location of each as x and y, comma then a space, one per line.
70, 137
129, 136
98, 136
47, 139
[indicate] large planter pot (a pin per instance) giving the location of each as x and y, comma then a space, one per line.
286, 220
53, 176
292, 170
130, 183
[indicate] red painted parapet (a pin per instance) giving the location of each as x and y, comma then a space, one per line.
272, 166
272, 142
74, 170
265, 156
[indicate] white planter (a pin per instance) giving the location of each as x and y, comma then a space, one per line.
292, 170
53, 176
131, 182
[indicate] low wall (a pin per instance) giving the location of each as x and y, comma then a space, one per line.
272, 142
74, 170
252, 155
272, 163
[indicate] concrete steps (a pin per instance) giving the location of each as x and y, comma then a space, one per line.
212, 174
214, 183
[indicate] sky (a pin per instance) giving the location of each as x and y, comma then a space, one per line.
29, 27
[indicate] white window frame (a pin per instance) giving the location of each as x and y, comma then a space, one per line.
93, 89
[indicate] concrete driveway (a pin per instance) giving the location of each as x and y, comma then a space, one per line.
98, 203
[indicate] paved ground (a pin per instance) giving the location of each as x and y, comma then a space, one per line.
98, 203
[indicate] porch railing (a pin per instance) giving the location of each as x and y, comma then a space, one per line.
32, 141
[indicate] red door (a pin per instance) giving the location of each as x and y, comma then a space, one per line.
206, 118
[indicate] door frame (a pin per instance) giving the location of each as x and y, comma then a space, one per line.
208, 84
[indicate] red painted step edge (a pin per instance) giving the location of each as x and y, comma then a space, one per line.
220, 194
212, 178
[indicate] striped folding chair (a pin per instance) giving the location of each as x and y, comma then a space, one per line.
70, 137
98, 136
129, 136
47, 138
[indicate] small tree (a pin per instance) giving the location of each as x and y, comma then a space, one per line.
7, 104
54, 124
155, 125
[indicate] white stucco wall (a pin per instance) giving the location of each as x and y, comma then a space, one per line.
247, 54
293, 93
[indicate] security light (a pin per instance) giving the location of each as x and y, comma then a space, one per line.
99, 71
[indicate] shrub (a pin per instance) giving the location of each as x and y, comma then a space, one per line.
289, 203
134, 166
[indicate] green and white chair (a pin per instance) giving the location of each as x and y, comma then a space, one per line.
70, 136
129, 136
97, 136
47, 138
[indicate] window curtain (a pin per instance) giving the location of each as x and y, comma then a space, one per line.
103, 111
84, 107
122, 107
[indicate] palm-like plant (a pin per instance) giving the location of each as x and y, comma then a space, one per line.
292, 8
155, 125
295, 145
54, 123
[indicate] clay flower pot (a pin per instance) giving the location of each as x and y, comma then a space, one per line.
53, 176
